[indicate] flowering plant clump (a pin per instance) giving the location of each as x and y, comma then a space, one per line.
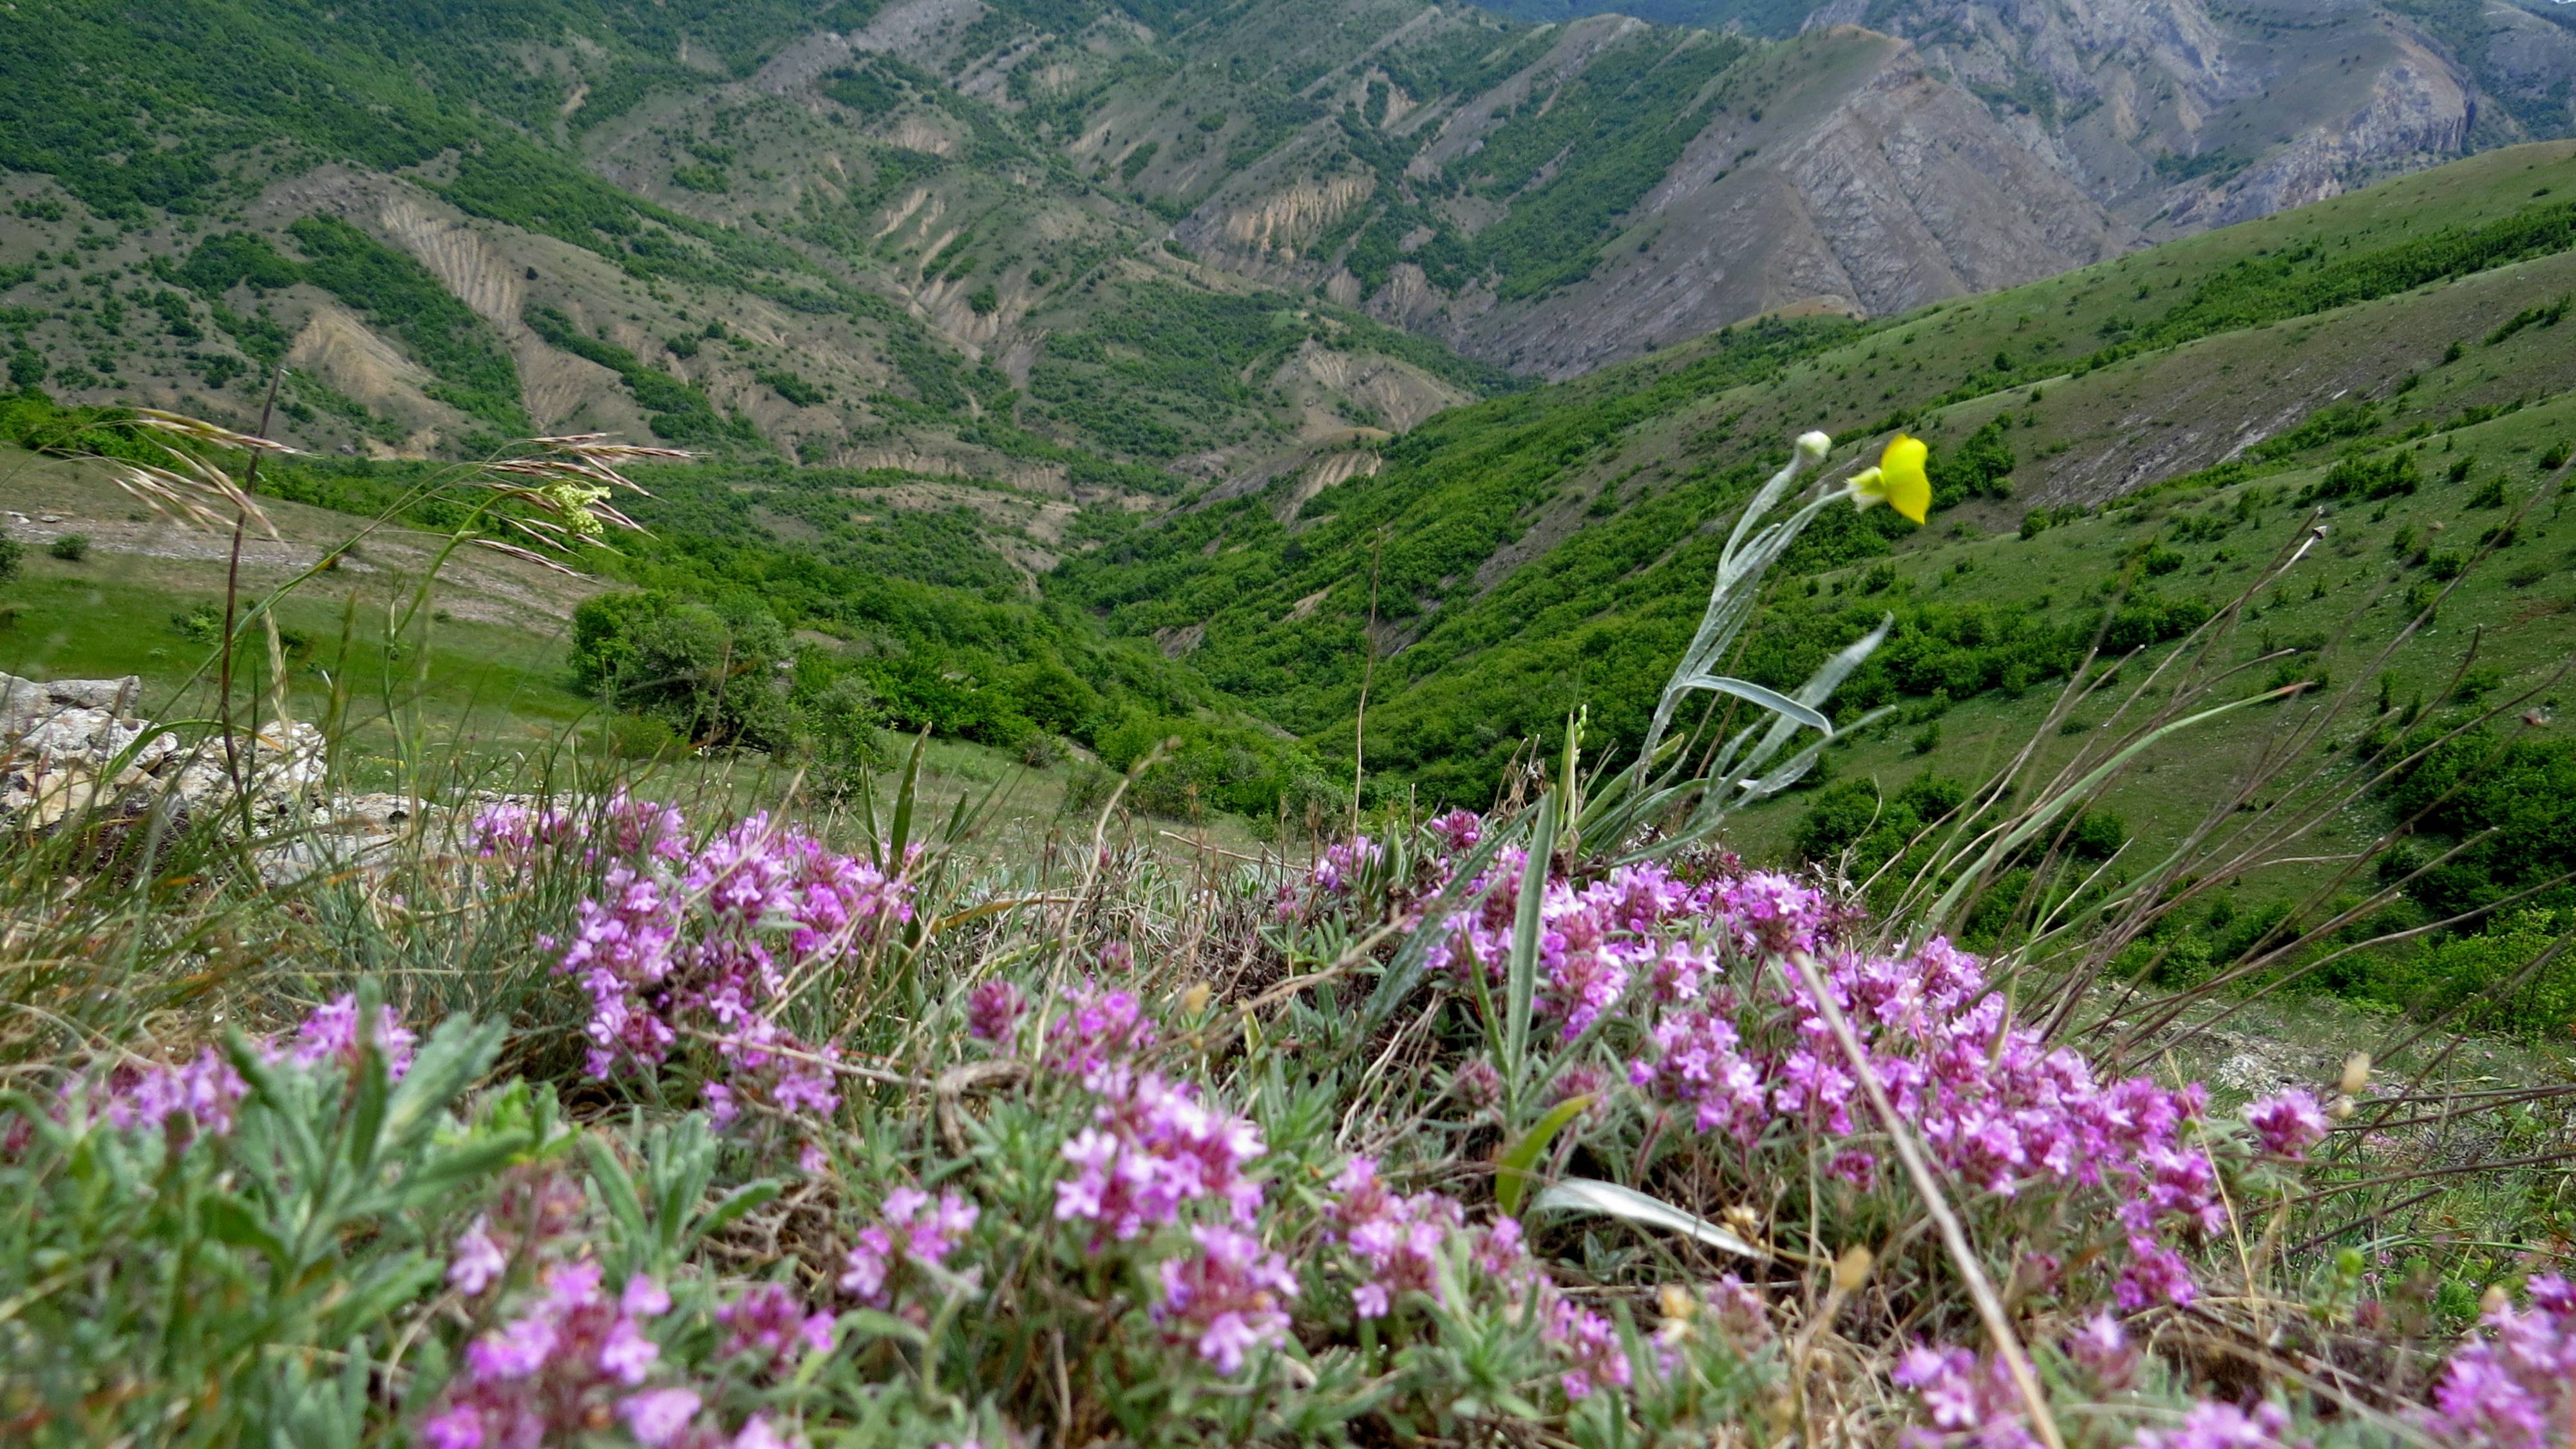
705, 940
1690, 974
914, 1229
201, 1094
1449, 1138
2514, 1388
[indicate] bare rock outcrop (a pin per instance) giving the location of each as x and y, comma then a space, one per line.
74, 746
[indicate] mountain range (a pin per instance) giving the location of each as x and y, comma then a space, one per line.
1105, 371
1097, 250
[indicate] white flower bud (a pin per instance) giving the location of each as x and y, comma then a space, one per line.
1814, 446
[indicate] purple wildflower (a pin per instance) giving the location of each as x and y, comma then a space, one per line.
1229, 1298
2288, 1124
2516, 1387
2221, 1426
912, 1227
993, 1011
771, 1324
659, 1416
1590, 1346
331, 1034
1397, 1239
1097, 1030
569, 1356
1153, 1147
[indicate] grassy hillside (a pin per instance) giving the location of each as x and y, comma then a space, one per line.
1535, 553
457, 224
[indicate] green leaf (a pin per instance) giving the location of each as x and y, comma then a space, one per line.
481, 1157
454, 1056
876, 1324
384, 1288
228, 1219
1770, 699
868, 817
374, 1089
736, 1203
616, 1187
1589, 1195
1512, 1168
310, 1160
1527, 926
904, 798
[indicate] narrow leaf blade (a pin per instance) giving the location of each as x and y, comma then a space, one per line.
1609, 1199
1512, 1168
1527, 925
1770, 699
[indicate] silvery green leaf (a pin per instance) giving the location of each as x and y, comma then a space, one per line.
1590, 1195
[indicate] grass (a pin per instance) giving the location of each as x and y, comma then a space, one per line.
991, 989
494, 684
2518, 632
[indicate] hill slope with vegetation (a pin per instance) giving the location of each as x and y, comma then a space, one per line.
1526, 556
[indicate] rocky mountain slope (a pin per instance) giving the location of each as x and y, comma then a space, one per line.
1084, 249
1520, 558
1032, 256
2185, 114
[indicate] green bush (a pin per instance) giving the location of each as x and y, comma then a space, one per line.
709, 672
70, 547
2479, 980
2505, 796
1981, 467
791, 387
1850, 815
1208, 767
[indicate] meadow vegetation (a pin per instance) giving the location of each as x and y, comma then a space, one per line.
585, 1104
1164, 905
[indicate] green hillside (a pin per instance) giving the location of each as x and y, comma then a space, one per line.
992, 450
1546, 551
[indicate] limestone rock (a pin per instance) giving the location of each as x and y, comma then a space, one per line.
69, 746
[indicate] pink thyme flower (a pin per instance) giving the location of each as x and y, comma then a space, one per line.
1396, 1239
1590, 1345
2102, 1348
1098, 1030
2516, 1387
2288, 1124
2222, 1426
658, 1416
1458, 831
1229, 1298
535, 1377
993, 1011
331, 1034
202, 1093
770, 1323
912, 1227
1152, 1148
476, 1260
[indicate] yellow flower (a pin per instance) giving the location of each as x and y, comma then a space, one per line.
1898, 480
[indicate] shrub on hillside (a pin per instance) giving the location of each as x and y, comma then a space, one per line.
2506, 800
709, 672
